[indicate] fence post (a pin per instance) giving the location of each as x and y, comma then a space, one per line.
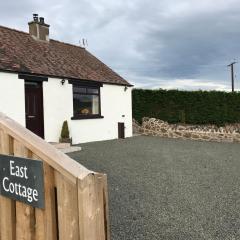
93, 208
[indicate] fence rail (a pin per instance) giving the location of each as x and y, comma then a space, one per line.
76, 199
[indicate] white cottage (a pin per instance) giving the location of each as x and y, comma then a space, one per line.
44, 82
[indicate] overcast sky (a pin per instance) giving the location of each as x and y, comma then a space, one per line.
184, 44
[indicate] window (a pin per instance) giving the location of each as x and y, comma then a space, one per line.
86, 102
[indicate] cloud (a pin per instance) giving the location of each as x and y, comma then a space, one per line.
180, 84
178, 44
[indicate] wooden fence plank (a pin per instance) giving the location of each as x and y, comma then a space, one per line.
40, 228
67, 200
100, 224
46, 226
7, 206
24, 212
1, 146
106, 207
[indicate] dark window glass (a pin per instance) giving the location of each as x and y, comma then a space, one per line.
86, 101
80, 89
93, 90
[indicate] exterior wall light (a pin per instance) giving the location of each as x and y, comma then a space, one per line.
125, 88
63, 81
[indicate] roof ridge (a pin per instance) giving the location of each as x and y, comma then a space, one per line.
13, 29
70, 44
20, 31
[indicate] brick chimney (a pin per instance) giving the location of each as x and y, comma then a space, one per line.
38, 29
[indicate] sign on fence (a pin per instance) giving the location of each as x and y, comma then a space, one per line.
21, 179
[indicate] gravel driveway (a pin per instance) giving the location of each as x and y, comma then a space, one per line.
169, 189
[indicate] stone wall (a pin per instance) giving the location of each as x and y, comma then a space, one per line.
157, 127
137, 128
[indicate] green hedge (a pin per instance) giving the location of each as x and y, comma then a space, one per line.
193, 107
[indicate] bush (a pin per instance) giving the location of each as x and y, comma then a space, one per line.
191, 107
65, 130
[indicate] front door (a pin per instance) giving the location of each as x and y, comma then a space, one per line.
34, 107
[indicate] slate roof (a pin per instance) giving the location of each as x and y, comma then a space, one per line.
20, 53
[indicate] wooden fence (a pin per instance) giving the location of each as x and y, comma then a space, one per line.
76, 199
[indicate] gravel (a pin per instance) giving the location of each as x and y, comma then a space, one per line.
169, 189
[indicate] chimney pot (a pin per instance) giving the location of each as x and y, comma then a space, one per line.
35, 17
41, 20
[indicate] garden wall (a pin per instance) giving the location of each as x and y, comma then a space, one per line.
157, 127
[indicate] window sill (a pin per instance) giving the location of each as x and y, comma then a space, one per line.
86, 117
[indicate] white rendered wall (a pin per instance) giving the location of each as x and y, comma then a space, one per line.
58, 106
12, 97
115, 102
